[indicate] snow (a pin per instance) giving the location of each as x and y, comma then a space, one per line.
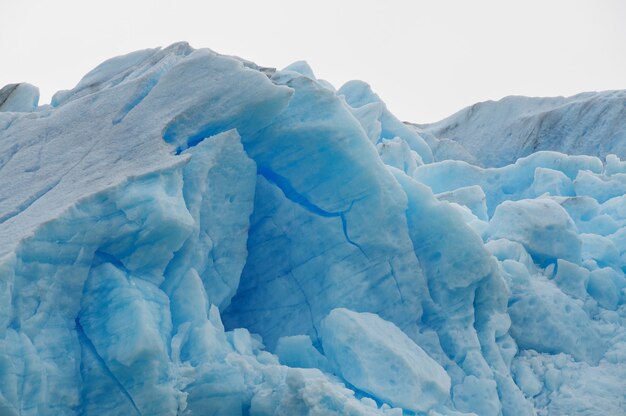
190, 233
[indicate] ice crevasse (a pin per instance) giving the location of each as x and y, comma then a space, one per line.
188, 233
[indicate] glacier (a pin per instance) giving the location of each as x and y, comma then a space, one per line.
189, 233
497, 133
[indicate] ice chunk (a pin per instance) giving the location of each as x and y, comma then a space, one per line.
304, 391
397, 153
369, 117
600, 187
572, 279
218, 106
614, 165
511, 182
505, 249
542, 226
614, 210
120, 69
553, 182
589, 216
544, 319
302, 68
604, 286
378, 358
358, 94
477, 395
298, 351
527, 379
472, 197
600, 249
445, 149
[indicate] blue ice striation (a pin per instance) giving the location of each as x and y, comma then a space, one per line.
189, 233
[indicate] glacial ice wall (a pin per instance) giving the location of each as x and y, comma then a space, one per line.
190, 233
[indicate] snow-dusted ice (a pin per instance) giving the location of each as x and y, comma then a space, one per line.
190, 233
497, 133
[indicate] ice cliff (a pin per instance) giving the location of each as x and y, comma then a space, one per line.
189, 233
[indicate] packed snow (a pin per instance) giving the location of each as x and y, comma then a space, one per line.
189, 233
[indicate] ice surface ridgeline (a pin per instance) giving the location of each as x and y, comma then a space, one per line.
498, 133
173, 188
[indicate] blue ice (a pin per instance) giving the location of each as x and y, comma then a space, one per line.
186, 232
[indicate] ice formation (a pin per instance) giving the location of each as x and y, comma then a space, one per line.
190, 233
498, 133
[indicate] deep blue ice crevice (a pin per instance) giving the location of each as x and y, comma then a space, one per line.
219, 182
395, 280
92, 365
314, 154
305, 138
299, 199
283, 236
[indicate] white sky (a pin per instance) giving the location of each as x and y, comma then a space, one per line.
426, 59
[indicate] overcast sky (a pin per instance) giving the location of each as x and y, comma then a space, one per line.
426, 59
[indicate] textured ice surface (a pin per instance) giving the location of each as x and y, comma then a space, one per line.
541, 225
378, 358
497, 133
190, 233
19, 97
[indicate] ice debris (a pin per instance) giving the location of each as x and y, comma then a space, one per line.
190, 233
